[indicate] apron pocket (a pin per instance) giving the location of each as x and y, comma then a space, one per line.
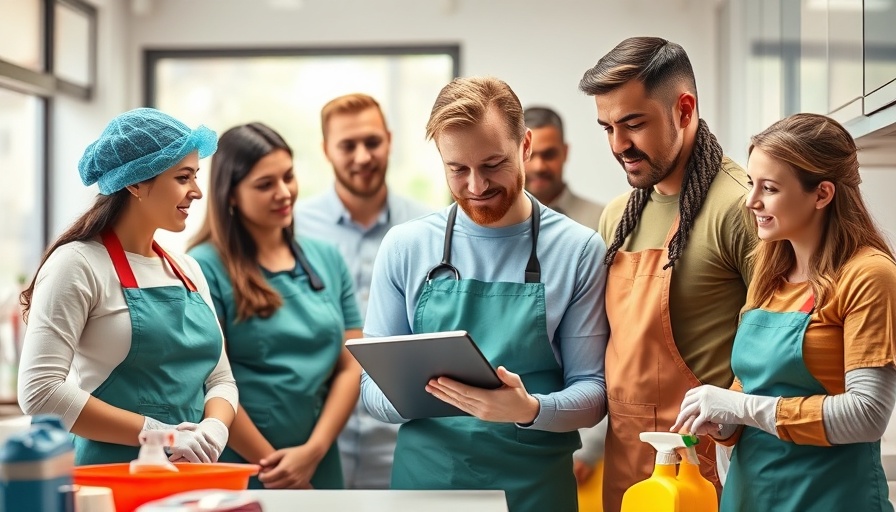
631, 419
161, 412
260, 417
625, 451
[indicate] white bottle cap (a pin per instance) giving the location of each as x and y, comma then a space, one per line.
94, 499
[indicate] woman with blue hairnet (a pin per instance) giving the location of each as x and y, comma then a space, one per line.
122, 336
286, 306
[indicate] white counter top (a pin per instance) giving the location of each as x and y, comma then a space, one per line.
382, 500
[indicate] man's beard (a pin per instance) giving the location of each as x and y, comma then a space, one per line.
487, 215
363, 190
656, 170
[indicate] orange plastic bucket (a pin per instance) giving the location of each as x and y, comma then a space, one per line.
130, 491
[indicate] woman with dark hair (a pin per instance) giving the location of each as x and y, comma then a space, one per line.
133, 325
286, 306
814, 353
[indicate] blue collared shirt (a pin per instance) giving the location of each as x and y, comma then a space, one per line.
325, 217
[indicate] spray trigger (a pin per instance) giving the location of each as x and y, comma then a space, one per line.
152, 452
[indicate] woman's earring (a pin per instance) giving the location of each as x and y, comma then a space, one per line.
230, 210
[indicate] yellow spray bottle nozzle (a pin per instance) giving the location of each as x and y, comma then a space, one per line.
670, 488
668, 443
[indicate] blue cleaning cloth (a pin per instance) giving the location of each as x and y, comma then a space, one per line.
139, 145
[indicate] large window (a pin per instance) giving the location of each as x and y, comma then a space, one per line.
46, 48
30, 78
21, 40
286, 90
22, 193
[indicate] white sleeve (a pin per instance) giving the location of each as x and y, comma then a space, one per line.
220, 384
64, 294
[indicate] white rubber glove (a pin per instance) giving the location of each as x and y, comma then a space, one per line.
706, 407
212, 435
187, 445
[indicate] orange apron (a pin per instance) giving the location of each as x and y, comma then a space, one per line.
646, 376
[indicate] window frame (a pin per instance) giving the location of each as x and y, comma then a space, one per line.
45, 86
151, 57
85, 92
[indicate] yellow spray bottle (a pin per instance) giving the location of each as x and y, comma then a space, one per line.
666, 490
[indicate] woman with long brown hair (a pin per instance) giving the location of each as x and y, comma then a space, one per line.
286, 306
133, 324
814, 352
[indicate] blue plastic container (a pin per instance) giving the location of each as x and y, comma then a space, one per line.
34, 464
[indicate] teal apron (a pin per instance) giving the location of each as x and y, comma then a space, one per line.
175, 346
768, 474
282, 365
507, 320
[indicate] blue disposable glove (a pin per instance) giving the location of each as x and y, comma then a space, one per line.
706, 407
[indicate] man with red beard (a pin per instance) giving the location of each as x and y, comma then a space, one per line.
355, 215
526, 282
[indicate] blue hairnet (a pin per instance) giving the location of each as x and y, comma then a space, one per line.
139, 145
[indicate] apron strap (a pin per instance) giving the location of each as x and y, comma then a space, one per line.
533, 268
119, 260
123, 267
809, 306
449, 231
174, 266
297, 252
446, 251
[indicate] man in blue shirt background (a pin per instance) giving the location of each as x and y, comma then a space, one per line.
356, 214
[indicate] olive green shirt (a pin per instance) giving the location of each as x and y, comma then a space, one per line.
709, 281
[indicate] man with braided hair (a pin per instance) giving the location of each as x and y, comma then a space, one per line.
678, 252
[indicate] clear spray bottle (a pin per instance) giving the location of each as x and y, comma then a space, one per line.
152, 455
